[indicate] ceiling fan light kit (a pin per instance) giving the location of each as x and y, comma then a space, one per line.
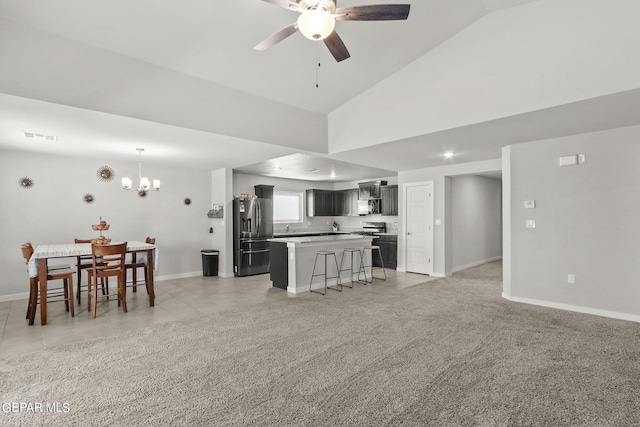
317, 21
316, 24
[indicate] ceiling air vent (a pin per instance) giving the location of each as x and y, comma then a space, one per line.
42, 136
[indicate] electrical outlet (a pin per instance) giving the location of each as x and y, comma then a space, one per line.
571, 278
530, 223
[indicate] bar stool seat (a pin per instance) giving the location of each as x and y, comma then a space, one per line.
352, 252
372, 249
325, 273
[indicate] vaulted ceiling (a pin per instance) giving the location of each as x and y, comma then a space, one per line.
182, 80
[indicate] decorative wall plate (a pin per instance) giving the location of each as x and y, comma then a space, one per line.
89, 198
187, 201
26, 182
106, 174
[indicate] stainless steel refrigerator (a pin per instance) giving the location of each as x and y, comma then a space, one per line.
252, 226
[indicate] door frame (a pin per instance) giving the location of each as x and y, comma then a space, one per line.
430, 207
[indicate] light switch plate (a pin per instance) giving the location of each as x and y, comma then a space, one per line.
571, 160
529, 204
530, 223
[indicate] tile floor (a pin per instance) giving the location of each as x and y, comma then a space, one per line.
175, 299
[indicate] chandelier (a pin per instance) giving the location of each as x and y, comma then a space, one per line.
143, 183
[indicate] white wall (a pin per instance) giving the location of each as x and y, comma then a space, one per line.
53, 211
87, 77
586, 223
520, 59
476, 225
222, 237
442, 256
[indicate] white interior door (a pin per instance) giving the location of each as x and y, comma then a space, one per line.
419, 227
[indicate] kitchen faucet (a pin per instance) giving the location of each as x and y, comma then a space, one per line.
287, 228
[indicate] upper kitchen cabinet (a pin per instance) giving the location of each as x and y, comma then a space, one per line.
370, 190
339, 203
389, 195
320, 203
349, 202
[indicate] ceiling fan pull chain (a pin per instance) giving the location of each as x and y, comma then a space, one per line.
317, 65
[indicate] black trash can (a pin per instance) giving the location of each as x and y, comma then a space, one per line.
209, 262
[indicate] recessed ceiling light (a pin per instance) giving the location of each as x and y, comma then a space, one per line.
449, 154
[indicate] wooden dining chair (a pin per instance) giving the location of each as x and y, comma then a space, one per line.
83, 262
57, 272
106, 261
135, 264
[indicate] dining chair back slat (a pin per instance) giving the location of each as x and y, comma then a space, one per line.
107, 261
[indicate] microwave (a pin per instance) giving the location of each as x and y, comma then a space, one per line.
368, 207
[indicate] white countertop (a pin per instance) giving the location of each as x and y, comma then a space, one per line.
318, 239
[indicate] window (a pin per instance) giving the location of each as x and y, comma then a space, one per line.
287, 206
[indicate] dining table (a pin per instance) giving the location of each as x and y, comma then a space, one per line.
37, 266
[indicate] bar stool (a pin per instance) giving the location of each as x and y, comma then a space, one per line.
325, 254
373, 248
352, 252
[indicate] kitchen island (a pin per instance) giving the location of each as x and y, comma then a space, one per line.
292, 259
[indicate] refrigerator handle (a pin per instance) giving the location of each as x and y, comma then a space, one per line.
259, 218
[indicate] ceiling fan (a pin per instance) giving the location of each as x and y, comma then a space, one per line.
318, 18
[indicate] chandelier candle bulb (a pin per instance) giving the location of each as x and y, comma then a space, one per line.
156, 184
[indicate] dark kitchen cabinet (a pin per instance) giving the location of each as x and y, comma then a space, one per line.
389, 200
279, 265
349, 202
339, 203
320, 203
389, 250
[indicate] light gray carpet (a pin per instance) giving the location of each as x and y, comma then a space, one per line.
446, 352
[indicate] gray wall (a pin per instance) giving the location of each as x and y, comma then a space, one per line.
53, 211
586, 223
476, 220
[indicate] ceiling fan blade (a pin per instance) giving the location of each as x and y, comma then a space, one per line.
277, 37
336, 47
287, 4
377, 12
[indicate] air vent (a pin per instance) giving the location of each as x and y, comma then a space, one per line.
42, 136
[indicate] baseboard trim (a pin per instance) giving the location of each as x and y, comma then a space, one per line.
177, 276
574, 308
475, 264
187, 275
14, 297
